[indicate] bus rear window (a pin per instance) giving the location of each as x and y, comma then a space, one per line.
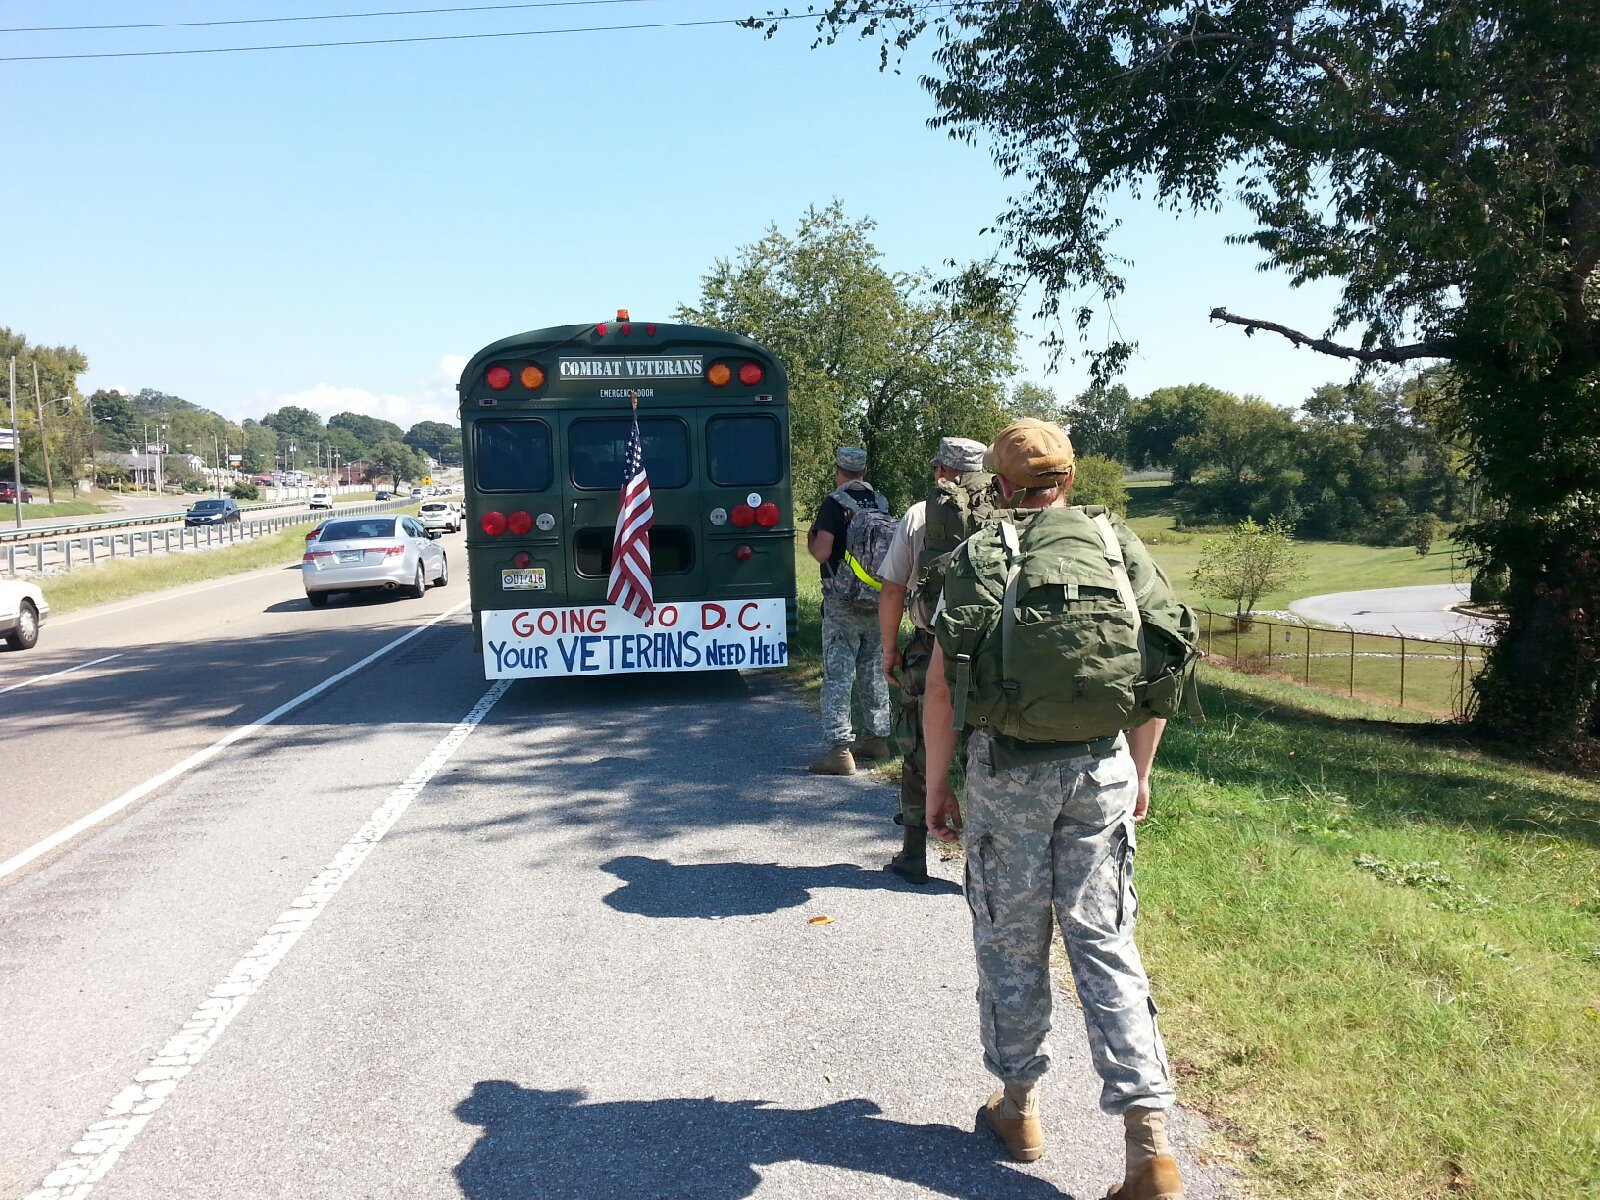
597, 447
512, 456
743, 451
671, 551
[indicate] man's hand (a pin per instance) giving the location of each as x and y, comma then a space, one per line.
942, 812
891, 663
1141, 806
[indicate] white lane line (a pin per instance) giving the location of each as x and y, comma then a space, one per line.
96, 1152
17, 862
59, 674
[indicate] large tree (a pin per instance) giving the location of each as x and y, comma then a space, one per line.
874, 356
1438, 159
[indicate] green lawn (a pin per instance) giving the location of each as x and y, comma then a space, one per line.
1332, 566
41, 508
1377, 952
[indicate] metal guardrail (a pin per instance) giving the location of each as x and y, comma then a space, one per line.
91, 549
72, 527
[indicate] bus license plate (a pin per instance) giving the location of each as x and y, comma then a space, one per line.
522, 581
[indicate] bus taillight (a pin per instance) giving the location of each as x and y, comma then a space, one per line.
649, 331
743, 516
521, 560
767, 514
751, 374
602, 329
493, 523
718, 374
743, 553
519, 522
533, 377
499, 378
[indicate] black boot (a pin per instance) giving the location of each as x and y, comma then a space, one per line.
911, 864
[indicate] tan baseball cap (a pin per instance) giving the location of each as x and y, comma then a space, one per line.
1031, 453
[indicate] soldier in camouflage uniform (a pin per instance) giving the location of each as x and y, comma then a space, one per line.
851, 648
927, 531
1052, 826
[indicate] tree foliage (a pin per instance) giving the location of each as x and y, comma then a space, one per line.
437, 440
1250, 562
1435, 158
1099, 481
874, 357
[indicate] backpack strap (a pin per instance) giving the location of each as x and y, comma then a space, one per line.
1008, 604
861, 572
1108, 538
845, 501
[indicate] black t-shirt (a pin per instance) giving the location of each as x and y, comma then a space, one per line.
832, 518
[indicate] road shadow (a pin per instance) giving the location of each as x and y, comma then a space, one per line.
653, 887
550, 1144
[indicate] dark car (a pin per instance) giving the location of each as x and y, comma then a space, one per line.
215, 511
8, 493
381, 496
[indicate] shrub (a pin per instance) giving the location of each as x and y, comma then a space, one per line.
245, 491
1489, 586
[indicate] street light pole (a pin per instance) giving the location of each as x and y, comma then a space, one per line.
16, 447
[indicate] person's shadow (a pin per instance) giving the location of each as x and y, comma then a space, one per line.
545, 1145
653, 887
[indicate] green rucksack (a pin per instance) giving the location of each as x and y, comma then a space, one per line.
1058, 627
954, 510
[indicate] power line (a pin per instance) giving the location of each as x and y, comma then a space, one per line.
398, 41
398, 12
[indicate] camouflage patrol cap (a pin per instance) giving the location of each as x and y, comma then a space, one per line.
1031, 454
851, 458
959, 454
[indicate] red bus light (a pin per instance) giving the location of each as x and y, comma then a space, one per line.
767, 514
743, 516
743, 553
649, 331
522, 559
602, 328
519, 522
499, 378
626, 330
751, 374
493, 523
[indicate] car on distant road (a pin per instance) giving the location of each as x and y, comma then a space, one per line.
22, 610
362, 553
8, 493
216, 510
416, 493
437, 514
320, 500
381, 494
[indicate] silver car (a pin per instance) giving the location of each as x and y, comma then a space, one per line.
359, 553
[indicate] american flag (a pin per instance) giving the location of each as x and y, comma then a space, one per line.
630, 547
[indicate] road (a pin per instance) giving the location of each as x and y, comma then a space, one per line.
427, 936
1419, 612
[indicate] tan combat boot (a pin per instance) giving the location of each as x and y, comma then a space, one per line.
871, 749
1013, 1114
837, 761
1152, 1172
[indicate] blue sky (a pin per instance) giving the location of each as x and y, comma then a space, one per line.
341, 227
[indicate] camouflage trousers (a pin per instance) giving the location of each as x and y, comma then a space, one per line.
914, 661
852, 650
1060, 834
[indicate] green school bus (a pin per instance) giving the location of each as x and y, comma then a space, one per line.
546, 418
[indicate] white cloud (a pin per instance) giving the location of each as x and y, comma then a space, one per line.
435, 399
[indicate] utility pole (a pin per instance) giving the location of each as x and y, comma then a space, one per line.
16, 448
44, 441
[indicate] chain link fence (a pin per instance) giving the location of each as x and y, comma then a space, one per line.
1419, 674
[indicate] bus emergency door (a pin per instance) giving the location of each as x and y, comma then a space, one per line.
594, 446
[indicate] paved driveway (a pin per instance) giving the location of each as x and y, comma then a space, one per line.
1420, 612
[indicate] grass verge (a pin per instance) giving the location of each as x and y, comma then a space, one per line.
1377, 952
121, 580
62, 508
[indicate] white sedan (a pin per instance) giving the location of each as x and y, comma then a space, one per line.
366, 553
22, 610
